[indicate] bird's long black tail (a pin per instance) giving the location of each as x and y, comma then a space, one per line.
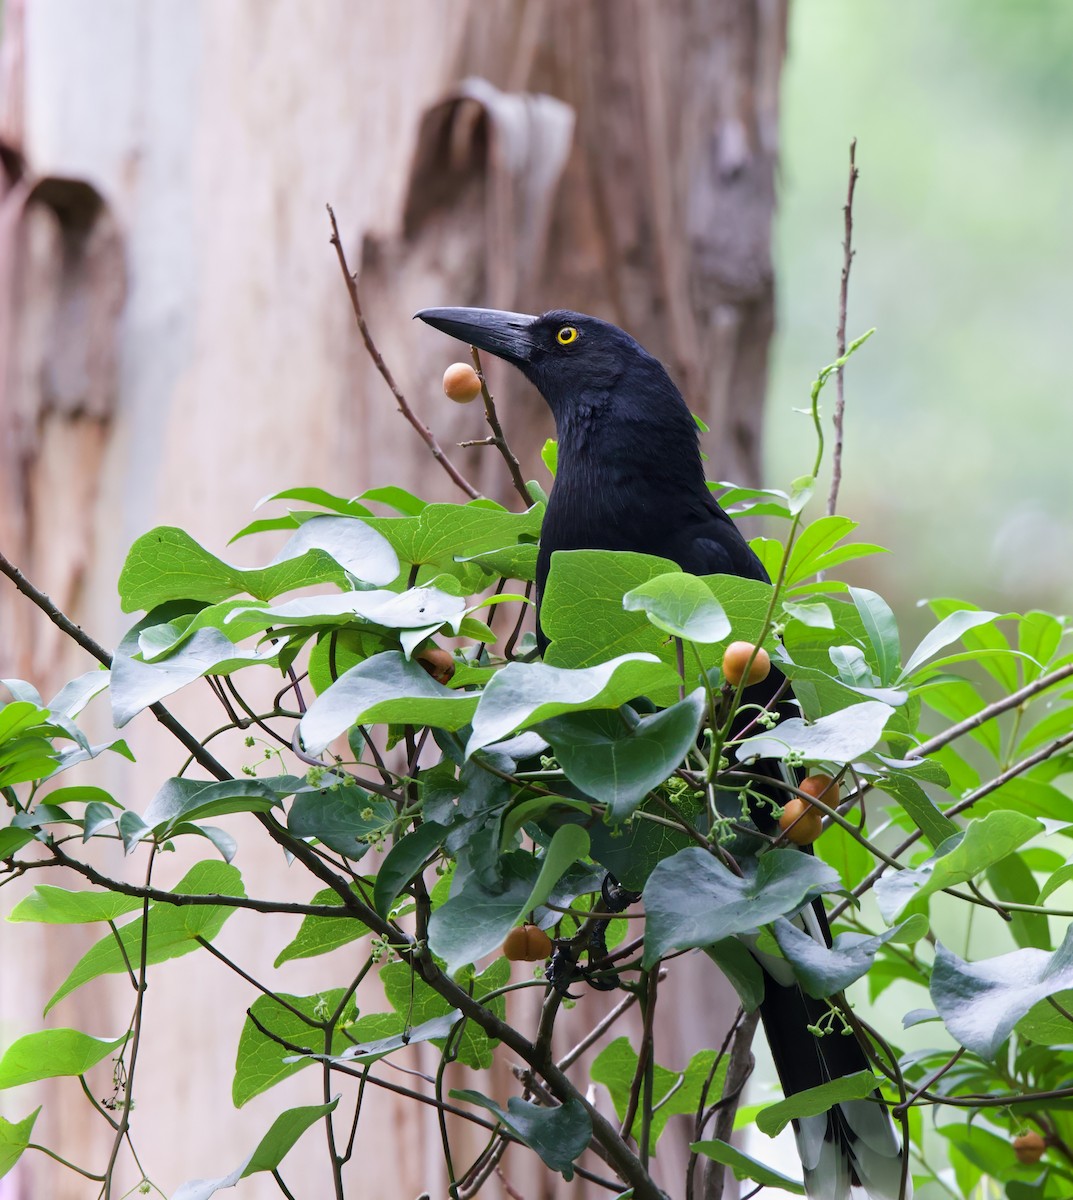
853, 1149
853, 1145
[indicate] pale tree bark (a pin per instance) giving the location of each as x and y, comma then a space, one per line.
176, 342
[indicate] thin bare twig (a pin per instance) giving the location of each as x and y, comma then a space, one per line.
596, 1032
423, 430
843, 296
497, 439
123, 1128
739, 1068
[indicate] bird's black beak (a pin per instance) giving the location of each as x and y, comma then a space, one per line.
507, 335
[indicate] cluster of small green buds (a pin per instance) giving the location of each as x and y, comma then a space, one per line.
832, 1021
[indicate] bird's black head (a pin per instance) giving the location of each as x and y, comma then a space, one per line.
567, 356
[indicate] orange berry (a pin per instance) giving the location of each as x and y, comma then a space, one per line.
1029, 1148
736, 657
440, 664
527, 943
821, 787
801, 823
461, 383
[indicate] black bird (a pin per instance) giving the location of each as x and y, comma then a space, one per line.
630, 477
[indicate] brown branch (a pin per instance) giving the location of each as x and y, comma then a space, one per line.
1013, 700
182, 899
843, 296
498, 440
739, 1068
423, 430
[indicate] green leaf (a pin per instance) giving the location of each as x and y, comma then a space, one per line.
948, 630
260, 1063
1062, 876
1046, 1024
272, 1149
732, 957
137, 684
987, 840
681, 605
882, 629
397, 498
617, 757
173, 930
922, 810
370, 1047
518, 561
1039, 636
286, 1129
79, 794
475, 920
440, 531
73, 697
12, 841
14, 1138
559, 1135
317, 495
745, 1167
817, 615
673, 1092
691, 899
19, 716
981, 1002
1012, 880
319, 935
549, 456
840, 737
425, 608
53, 1052
988, 643
822, 971
402, 862
167, 564
816, 549
383, 689
569, 844
342, 816
523, 694
180, 800
58, 906
814, 1101
535, 809
581, 609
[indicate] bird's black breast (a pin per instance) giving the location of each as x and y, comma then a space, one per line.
647, 516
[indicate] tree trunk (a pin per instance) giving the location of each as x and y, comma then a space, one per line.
616, 157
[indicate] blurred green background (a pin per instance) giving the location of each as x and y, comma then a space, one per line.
959, 422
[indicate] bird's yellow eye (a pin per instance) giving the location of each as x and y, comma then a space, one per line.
566, 335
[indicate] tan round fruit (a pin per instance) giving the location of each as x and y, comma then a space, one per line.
820, 787
736, 659
801, 823
1029, 1148
461, 383
527, 943
440, 664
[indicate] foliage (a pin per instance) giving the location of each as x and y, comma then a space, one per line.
432, 817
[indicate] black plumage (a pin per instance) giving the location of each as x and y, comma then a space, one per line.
630, 477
